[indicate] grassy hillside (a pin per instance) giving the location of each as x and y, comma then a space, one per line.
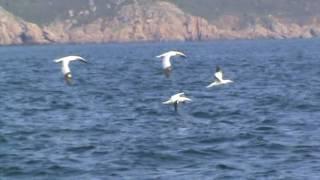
46, 11
211, 9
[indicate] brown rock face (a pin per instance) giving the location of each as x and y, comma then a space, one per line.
153, 21
17, 31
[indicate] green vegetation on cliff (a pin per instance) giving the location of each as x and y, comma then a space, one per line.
211, 9
81, 21
46, 11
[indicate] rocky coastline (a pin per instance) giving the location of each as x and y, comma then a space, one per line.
158, 21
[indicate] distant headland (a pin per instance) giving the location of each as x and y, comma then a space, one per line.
87, 21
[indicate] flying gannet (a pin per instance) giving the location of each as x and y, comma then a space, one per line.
166, 63
218, 78
177, 99
65, 66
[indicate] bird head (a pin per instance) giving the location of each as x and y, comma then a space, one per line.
218, 69
68, 76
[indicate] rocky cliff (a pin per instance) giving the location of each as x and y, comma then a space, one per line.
150, 21
16, 31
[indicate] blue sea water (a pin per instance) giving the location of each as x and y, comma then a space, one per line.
111, 124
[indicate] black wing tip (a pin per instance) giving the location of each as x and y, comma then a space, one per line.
84, 61
176, 107
218, 69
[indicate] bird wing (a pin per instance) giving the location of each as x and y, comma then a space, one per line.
212, 84
183, 99
167, 102
163, 55
218, 76
166, 61
172, 53
65, 67
58, 60
83, 60
175, 98
177, 95
180, 53
69, 58
160, 56
187, 99
77, 58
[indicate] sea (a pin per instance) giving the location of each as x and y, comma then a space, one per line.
111, 123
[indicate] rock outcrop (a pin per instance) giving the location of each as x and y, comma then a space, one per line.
153, 21
16, 31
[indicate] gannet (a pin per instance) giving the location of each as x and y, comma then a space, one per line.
166, 64
176, 99
65, 66
218, 78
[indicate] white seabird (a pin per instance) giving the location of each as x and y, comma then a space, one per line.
166, 63
65, 66
177, 99
218, 78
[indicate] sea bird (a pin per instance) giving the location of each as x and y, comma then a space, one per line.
65, 66
177, 99
166, 63
218, 78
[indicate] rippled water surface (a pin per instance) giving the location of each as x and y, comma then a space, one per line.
111, 124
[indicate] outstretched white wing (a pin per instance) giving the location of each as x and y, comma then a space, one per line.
66, 60
218, 76
166, 63
70, 58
